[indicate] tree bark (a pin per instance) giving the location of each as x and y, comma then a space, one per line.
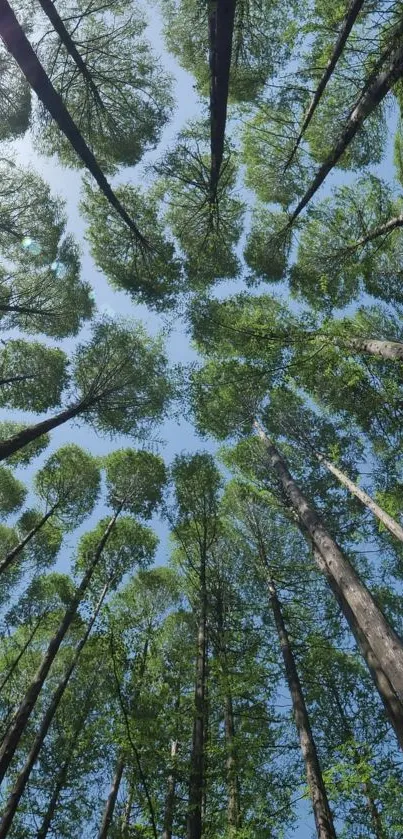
391, 350
382, 638
233, 806
322, 813
221, 30
389, 698
20, 48
393, 526
111, 800
170, 795
348, 23
12, 555
32, 432
196, 780
22, 715
23, 777
52, 14
364, 107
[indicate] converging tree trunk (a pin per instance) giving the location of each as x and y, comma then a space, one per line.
22, 715
382, 638
196, 780
390, 523
233, 806
381, 85
348, 23
111, 800
320, 804
221, 30
169, 808
20, 48
12, 555
23, 777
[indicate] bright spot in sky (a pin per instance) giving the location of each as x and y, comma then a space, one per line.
31, 246
59, 269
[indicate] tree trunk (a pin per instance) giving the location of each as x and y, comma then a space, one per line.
21, 653
22, 715
349, 20
61, 780
381, 637
233, 807
322, 814
111, 800
12, 555
390, 700
32, 432
170, 796
23, 777
365, 106
391, 350
52, 14
20, 48
196, 780
374, 812
393, 526
221, 29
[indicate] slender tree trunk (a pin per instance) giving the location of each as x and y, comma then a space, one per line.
47, 719
233, 807
22, 715
14, 379
322, 813
127, 813
374, 812
365, 106
12, 555
393, 526
196, 780
111, 800
21, 653
381, 637
20, 48
170, 796
61, 779
348, 23
389, 698
52, 14
221, 29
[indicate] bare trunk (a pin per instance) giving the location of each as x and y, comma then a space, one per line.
22, 715
393, 526
323, 817
196, 780
389, 698
233, 806
365, 106
348, 23
52, 14
170, 796
221, 29
47, 719
12, 555
111, 800
32, 432
20, 48
391, 350
381, 637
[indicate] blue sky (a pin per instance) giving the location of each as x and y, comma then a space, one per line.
176, 436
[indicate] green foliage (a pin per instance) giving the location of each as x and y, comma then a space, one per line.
135, 479
44, 547
32, 376
152, 275
130, 544
24, 456
69, 480
12, 492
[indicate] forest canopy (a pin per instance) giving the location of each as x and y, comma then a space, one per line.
201, 396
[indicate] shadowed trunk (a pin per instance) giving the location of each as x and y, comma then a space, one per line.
221, 30
233, 806
111, 800
32, 432
12, 555
348, 23
365, 106
22, 715
170, 795
320, 804
382, 638
196, 780
47, 719
20, 48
